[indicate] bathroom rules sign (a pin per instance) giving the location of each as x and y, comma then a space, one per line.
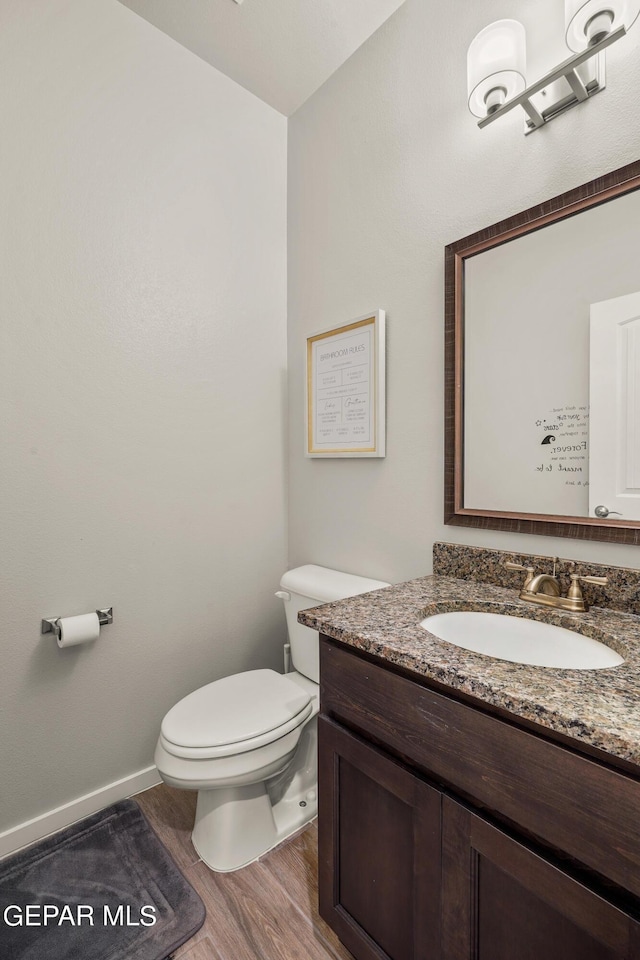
345, 390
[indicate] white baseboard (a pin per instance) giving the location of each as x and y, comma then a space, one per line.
54, 820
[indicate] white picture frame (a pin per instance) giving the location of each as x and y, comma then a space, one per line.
345, 396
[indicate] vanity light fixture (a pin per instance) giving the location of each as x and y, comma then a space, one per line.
590, 21
497, 56
496, 65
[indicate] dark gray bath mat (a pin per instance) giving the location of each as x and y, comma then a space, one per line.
92, 891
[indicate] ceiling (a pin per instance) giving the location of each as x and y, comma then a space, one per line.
280, 50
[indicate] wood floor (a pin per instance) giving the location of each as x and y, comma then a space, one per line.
266, 911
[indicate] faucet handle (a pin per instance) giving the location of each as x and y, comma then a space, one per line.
518, 566
575, 590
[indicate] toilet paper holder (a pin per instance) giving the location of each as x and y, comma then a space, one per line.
50, 625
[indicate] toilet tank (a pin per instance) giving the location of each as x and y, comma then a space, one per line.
309, 586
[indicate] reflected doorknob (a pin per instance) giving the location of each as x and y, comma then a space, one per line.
602, 512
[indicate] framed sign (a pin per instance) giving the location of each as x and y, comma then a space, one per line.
345, 390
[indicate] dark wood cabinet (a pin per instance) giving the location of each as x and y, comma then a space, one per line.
503, 901
447, 834
379, 858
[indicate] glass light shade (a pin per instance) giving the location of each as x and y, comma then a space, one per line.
583, 27
496, 61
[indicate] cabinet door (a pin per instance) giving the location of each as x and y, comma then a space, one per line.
501, 901
379, 831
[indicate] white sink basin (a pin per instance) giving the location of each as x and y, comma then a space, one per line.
521, 641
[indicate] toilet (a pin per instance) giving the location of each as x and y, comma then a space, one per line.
248, 743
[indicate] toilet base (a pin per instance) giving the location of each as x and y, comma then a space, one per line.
236, 825
233, 831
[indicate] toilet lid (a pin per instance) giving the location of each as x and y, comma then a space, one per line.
234, 709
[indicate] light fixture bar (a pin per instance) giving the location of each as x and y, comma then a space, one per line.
567, 69
578, 87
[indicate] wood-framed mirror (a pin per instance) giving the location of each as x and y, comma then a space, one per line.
542, 375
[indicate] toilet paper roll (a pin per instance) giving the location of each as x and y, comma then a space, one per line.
81, 629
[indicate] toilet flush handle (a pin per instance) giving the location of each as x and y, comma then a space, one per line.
283, 595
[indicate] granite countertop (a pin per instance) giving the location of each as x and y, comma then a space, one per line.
597, 707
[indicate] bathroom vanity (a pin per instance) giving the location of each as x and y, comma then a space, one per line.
474, 808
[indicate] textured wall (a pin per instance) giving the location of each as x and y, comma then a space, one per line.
143, 305
386, 166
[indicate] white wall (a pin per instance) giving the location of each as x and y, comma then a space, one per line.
143, 305
387, 166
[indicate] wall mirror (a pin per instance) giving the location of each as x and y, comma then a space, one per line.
542, 376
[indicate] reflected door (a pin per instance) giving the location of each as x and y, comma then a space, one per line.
614, 388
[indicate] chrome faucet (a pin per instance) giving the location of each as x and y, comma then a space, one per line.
544, 588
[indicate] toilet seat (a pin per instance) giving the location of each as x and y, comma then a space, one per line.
235, 715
